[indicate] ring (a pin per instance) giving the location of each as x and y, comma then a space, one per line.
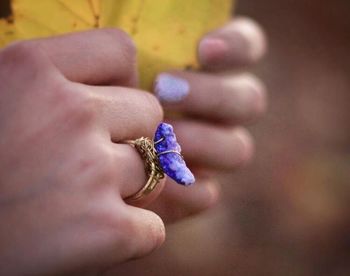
145, 147
161, 156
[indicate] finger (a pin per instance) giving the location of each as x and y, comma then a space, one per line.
237, 99
124, 113
105, 56
177, 202
241, 42
207, 145
132, 176
144, 232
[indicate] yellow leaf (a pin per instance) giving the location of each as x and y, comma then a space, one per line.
166, 32
7, 33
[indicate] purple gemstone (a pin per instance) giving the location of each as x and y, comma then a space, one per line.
172, 163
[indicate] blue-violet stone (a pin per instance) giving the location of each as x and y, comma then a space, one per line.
171, 162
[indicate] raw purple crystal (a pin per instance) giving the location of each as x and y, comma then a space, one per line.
172, 163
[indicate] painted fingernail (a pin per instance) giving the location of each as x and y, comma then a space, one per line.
212, 50
171, 89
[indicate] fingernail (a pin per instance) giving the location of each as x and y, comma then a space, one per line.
212, 50
171, 89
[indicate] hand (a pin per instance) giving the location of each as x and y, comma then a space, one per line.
62, 179
214, 104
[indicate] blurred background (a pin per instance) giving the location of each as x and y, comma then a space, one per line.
288, 213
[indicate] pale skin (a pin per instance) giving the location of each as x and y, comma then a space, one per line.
66, 108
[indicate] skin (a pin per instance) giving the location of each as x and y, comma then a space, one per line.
223, 98
64, 179
216, 120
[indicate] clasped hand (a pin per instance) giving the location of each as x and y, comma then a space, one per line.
67, 103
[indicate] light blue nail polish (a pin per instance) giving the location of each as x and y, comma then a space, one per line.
171, 89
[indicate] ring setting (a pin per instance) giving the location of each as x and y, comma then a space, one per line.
161, 156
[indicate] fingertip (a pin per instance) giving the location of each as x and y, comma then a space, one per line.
253, 36
178, 202
120, 36
214, 194
207, 193
241, 42
245, 98
260, 103
247, 142
257, 102
159, 232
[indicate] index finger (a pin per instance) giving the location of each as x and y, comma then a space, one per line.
104, 56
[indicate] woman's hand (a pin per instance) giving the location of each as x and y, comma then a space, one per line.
62, 179
214, 104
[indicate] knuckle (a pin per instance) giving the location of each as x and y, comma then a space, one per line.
253, 36
152, 236
75, 104
24, 48
25, 60
107, 168
22, 52
110, 221
123, 233
120, 37
123, 49
154, 109
99, 167
104, 165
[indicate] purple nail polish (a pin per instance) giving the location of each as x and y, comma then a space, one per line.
171, 89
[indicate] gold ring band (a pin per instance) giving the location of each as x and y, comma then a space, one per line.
145, 147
